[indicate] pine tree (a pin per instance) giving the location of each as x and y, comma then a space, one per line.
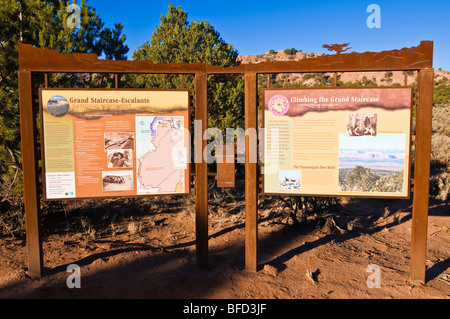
176, 40
112, 43
42, 24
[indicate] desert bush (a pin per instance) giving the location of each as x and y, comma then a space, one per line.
299, 209
12, 217
440, 186
12, 220
441, 93
440, 153
441, 118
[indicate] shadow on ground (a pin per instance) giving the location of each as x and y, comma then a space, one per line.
171, 272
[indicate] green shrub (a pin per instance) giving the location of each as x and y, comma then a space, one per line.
291, 51
441, 93
440, 153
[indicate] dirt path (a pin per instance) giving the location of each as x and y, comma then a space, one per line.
310, 263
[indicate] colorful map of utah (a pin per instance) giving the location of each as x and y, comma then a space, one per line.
160, 164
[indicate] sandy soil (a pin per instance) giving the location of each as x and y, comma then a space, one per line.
153, 256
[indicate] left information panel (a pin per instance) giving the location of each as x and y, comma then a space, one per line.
100, 143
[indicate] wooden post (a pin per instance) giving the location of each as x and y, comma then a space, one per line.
201, 171
251, 173
419, 229
30, 176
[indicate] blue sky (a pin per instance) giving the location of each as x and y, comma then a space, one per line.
255, 27
394, 143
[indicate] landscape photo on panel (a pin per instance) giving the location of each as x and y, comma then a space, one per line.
372, 164
58, 106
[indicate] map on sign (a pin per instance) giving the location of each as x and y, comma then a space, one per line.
161, 154
115, 143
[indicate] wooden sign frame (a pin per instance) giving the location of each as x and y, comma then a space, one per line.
420, 58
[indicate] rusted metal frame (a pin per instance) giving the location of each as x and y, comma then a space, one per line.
250, 72
30, 175
116, 81
225, 176
419, 229
251, 172
201, 170
419, 185
45, 60
415, 103
183, 81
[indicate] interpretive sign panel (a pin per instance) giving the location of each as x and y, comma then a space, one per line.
338, 142
114, 143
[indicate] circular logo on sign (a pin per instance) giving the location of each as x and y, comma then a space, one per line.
278, 105
58, 106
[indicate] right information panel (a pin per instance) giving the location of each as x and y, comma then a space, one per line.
353, 142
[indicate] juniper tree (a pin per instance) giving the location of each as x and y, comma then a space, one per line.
42, 24
177, 40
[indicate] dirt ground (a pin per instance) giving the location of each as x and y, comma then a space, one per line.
154, 257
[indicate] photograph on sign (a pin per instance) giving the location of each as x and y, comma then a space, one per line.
337, 142
114, 143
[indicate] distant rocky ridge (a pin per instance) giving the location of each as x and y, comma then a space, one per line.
381, 78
